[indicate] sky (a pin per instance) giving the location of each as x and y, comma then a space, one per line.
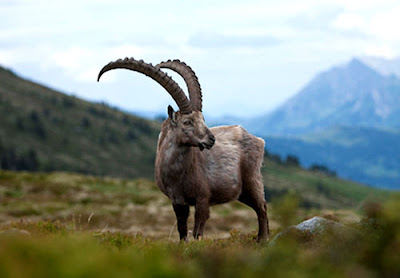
250, 56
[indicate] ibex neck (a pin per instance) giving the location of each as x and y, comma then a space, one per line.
176, 163
177, 157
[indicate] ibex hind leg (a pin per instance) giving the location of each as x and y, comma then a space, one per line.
182, 214
253, 196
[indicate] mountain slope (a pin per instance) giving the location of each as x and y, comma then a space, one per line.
346, 118
383, 66
369, 156
41, 129
352, 95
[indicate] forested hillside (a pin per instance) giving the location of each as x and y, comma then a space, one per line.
45, 130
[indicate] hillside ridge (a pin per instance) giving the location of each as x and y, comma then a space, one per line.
46, 130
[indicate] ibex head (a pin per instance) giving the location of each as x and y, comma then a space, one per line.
190, 129
188, 123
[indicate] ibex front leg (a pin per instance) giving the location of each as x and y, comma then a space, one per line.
200, 217
182, 214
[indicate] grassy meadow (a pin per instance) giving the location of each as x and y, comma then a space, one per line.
71, 225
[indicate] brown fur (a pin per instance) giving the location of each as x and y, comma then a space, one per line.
192, 170
197, 166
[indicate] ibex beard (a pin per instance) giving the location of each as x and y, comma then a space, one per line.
200, 166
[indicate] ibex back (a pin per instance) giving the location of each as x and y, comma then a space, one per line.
197, 166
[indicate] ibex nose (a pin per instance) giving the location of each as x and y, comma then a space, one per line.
212, 138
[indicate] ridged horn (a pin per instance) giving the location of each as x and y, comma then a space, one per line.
156, 74
190, 78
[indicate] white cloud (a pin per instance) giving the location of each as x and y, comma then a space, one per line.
364, 5
71, 59
380, 51
349, 21
265, 48
83, 63
7, 56
385, 25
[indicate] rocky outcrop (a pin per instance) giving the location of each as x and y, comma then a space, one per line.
14, 232
315, 230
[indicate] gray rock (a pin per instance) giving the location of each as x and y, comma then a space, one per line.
314, 229
318, 225
14, 232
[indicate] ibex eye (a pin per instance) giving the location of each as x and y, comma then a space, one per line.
187, 122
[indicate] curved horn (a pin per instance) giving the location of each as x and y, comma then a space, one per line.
156, 74
190, 78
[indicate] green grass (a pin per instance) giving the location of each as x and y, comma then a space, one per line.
109, 204
71, 225
53, 249
318, 190
97, 203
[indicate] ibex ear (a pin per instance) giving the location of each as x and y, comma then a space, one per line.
172, 115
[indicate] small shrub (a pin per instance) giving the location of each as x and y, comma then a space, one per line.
285, 209
51, 227
292, 160
114, 240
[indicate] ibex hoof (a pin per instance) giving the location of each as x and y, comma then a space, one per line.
262, 240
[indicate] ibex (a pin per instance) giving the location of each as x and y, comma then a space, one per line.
200, 166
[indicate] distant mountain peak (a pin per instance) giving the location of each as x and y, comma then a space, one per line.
360, 70
355, 62
352, 94
384, 66
347, 118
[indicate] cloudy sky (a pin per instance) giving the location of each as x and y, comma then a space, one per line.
250, 56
